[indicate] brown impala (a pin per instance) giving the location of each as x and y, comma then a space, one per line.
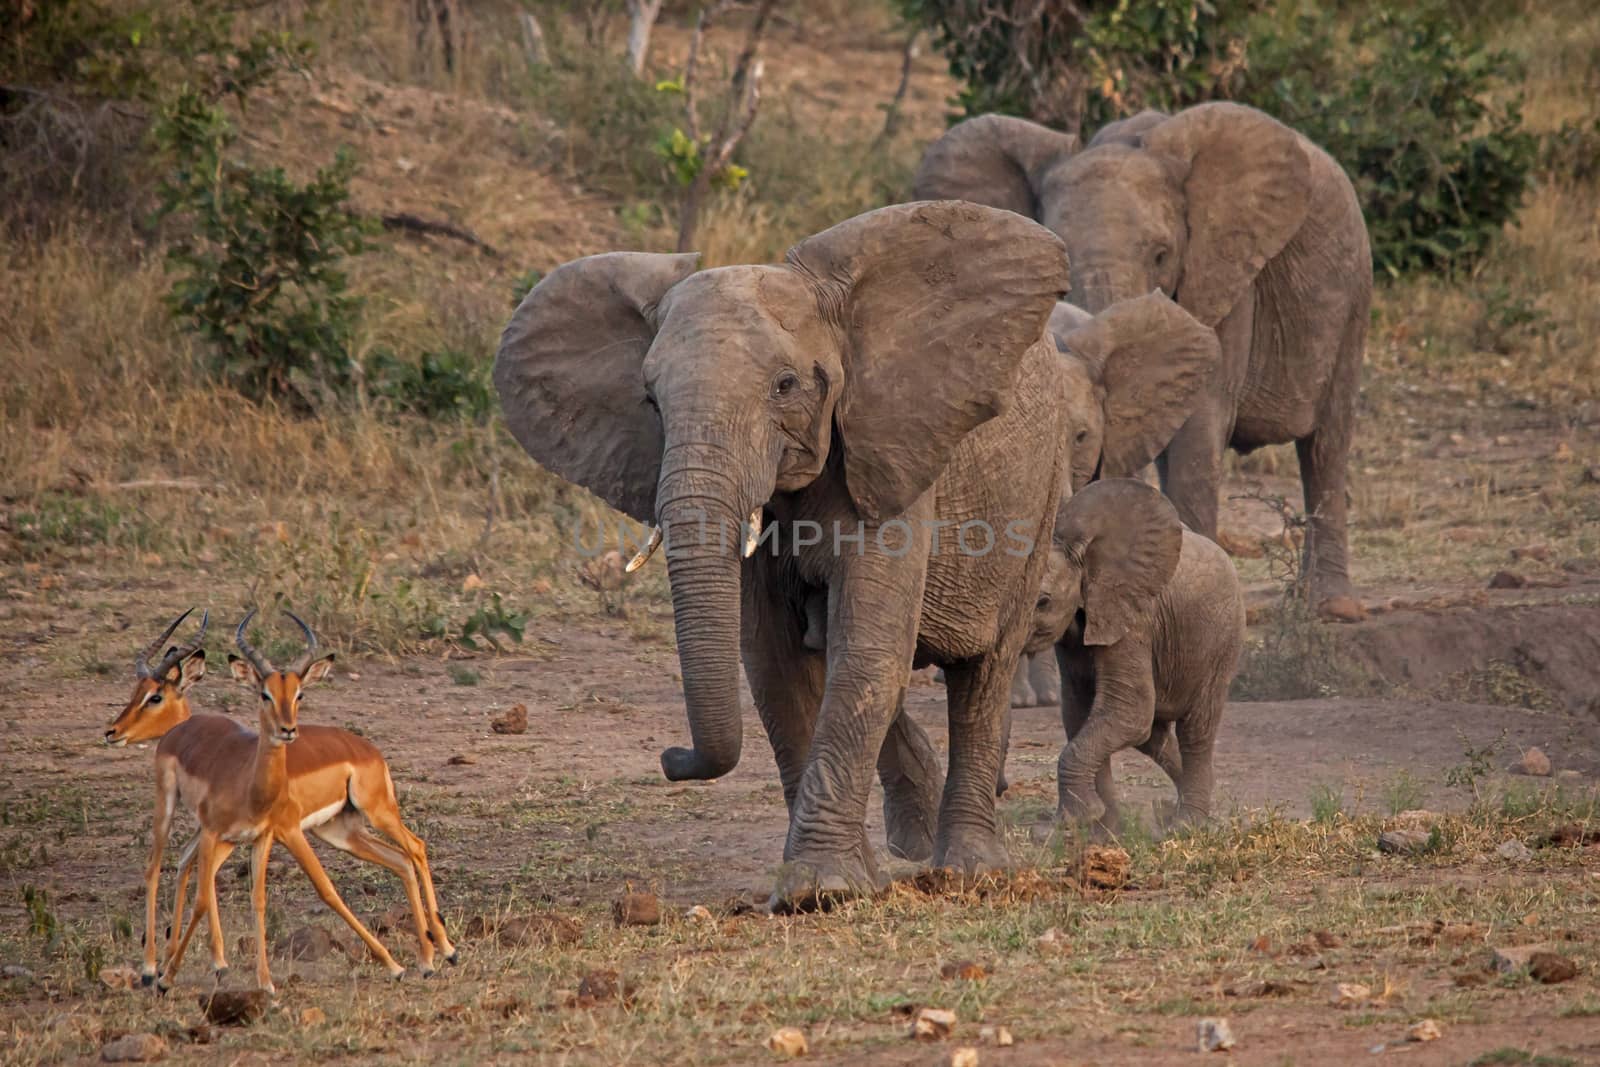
262, 786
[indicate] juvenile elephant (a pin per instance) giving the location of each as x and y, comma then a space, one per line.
889, 384
1251, 228
1147, 619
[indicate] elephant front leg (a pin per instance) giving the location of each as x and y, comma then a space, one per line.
1121, 716
969, 831
1191, 467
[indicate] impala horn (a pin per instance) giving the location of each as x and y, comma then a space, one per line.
178, 653
311, 642
141, 663
262, 667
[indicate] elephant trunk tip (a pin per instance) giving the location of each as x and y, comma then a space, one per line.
694, 764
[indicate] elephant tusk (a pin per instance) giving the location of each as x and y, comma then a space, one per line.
752, 533
642, 557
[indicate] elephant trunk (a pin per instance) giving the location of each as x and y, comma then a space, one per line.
1096, 290
703, 537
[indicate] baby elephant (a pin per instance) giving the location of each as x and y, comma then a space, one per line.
1148, 622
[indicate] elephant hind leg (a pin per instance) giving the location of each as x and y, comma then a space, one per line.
1324, 461
1196, 736
969, 833
913, 779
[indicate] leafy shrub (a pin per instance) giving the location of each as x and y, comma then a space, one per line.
1408, 105
440, 385
260, 274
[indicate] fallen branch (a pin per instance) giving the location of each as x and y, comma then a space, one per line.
408, 223
163, 483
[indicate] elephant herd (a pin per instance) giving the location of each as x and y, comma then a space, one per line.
899, 448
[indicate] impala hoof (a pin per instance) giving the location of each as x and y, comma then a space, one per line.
427, 973
398, 973
454, 957
147, 980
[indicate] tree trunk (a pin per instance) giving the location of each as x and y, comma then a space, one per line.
641, 20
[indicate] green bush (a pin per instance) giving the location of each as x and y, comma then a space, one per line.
259, 270
440, 385
1412, 108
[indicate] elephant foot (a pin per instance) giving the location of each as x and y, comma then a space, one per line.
973, 853
910, 831
822, 882
1022, 694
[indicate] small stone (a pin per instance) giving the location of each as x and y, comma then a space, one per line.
636, 909
119, 977
1415, 819
1534, 762
1404, 842
1349, 994
313, 1016
1326, 939
1424, 1030
1539, 552
1514, 850
1215, 1035
1003, 1038
1105, 868
471, 582
1507, 580
514, 721
933, 1024
1341, 609
788, 1041
1052, 941
240, 1007
965, 970
1515, 957
600, 985
134, 1048
15, 970
1551, 968
965, 1056
462, 759
699, 914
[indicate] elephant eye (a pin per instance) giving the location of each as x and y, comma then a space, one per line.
786, 384
1161, 257
1044, 602
1083, 435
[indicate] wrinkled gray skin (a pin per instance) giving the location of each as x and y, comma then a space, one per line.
688, 399
1147, 619
1251, 228
895, 372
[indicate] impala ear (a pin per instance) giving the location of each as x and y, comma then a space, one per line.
1127, 538
936, 304
569, 373
191, 670
244, 672
995, 160
316, 671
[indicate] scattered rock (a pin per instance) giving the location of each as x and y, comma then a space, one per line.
636, 909
1052, 941
1327, 939
999, 1036
699, 914
1349, 994
1513, 850
1415, 819
965, 970
134, 1048
1515, 957
965, 1056
313, 1016
1104, 867
1215, 1035
462, 759
514, 721
1471, 979
1539, 552
308, 944
119, 977
1534, 762
1404, 842
1262, 944
529, 930
933, 1024
1507, 580
1257, 987
1551, 968
1424, 1030
603, 985
15, 970
1341, 609
471, 582
788, 1041
239, 1007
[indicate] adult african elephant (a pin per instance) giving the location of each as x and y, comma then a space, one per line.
890, 383
1251, 228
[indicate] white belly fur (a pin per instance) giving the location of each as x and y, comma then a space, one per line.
321, 815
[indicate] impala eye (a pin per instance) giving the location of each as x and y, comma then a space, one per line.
265, 695
155, 698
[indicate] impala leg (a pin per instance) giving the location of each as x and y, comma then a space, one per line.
219, 947
295, 841
166, 801
386, 818
344, 833
259, 854
186, 863
212, 852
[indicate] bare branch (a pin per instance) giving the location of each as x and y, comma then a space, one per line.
893, 114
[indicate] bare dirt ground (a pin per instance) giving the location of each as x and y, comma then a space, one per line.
563, 818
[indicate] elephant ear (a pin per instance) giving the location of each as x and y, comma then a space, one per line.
569, 373
1248, 187
935, 304
1128, 131
1125, 536
1152, 358
993, 159
1064, 319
